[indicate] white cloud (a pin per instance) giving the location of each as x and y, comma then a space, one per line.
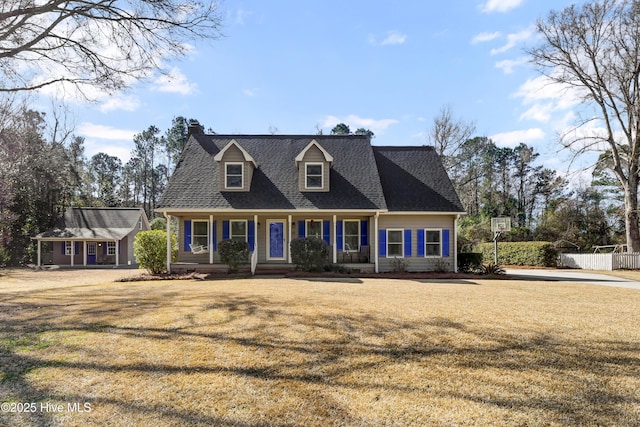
392, 38
241, 14
249, 92
500, 5
355, 122
513, 39
175, 82
513, 138
120, 102
91, 130
538, 112
508, 65
484, 37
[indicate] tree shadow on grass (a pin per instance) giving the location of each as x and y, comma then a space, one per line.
265, 345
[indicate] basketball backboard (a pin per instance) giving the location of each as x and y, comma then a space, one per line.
500, 224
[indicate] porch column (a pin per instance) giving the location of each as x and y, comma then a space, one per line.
335, 241
84, 253
117, 253
211, 233
168, 217
289, 228
73, 251
39, 253
375, 241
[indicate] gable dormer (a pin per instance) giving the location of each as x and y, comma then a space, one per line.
313, 165
236, 167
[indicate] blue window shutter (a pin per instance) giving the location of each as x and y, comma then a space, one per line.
407, 242
225, 230
326, 234
301, 229
339, 235
76, 249
187, 234
214, 236
445, 242
383, 242
104, 248
64, 244
364, 232
421, 242
251, 235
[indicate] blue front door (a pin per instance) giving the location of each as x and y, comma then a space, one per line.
276, 239
91, 253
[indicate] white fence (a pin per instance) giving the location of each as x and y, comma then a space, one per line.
627, 261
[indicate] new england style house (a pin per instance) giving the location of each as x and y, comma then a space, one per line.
370, 204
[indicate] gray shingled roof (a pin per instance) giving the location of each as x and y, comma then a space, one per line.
95, 223
394, 178
354, 181
414, 179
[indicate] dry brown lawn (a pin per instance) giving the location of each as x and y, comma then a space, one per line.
316, 352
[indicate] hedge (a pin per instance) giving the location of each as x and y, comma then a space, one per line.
541, 254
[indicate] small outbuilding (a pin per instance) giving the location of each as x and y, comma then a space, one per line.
92, 236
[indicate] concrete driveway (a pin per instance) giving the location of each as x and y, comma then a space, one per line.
581, 276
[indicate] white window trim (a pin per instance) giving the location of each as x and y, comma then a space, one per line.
344, 235
401, 230
306, 227
111, 245
68, 249
226, 175
193, 230
306, 181
246, 228
439, 230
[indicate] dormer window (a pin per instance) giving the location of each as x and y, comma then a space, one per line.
314, 175
236, 167
234, 174
313, 163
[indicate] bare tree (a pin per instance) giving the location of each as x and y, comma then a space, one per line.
594, 49
448, 134
105, 44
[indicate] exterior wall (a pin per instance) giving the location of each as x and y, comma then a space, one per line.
313, 155
295, 229
233, 154
125, 254
415, 223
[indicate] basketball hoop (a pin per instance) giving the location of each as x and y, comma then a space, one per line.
499, 225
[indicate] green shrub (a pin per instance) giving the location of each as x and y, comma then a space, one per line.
492, 268
470, 262
541, 254
233, 253
150, 250
309, 254
158, 223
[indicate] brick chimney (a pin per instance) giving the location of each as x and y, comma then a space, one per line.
195, 128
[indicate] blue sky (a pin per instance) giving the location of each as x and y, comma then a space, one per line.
294, 67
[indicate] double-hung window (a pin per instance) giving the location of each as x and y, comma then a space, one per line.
351, 235
395, 243
233, 176
432, 242
111, 248
313, 175
68, 247
314, 228
238, 230
200, 233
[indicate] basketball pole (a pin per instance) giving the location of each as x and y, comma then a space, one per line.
496, 234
